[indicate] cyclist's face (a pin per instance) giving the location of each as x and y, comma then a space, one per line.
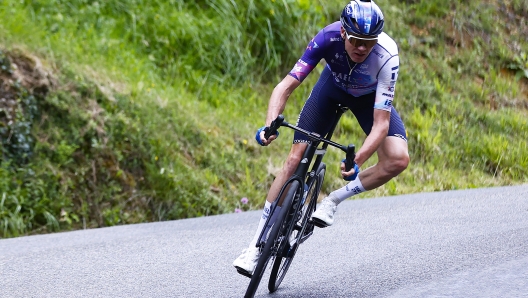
357, 49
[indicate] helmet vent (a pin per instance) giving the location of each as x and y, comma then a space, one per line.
354, 22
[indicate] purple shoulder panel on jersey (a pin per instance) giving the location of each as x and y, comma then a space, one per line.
315, 51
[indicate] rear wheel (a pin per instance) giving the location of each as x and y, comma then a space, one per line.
298, 229
275, 240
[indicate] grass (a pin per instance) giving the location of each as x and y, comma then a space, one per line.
154, 107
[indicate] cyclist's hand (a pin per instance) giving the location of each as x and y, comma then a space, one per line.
259, 136
350, 175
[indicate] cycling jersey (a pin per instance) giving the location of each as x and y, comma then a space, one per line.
378, 73
319, 110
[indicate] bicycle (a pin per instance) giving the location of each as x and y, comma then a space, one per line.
293, 226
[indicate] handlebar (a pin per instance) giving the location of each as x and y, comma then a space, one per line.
274, 126
349, 150
350, 157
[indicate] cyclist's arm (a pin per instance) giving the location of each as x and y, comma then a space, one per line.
378, 133
382, 109
313, 54
280, 96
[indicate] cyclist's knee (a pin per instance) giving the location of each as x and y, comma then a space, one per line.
391, 168
394, 160
399, 164
294, 157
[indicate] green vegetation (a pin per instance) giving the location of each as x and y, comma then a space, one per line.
116, 112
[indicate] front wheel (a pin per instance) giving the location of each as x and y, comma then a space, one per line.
287, 248
300, 229
274, 241
306, 227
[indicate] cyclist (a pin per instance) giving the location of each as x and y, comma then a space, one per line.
361, 71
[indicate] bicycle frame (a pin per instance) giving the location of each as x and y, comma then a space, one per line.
303, 177
303, 172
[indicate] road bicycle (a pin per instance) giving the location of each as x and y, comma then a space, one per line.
298, 200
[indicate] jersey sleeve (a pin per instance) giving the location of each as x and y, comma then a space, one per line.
312, 55
387, 78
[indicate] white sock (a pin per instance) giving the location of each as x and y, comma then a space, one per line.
262, 222
352, 188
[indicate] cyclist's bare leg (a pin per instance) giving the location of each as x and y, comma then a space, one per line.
393, 158
289, 167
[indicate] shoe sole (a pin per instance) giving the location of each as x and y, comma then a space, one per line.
318, 223
243, 272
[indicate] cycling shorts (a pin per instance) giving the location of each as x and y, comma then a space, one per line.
319, 110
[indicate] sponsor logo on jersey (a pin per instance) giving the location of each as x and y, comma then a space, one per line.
355, 82
390, 89
340, 76
352, 87
300, 70
312, 45
395, 73
361, 79
339, 57
377, 53
388, 95
361, 71
335, 39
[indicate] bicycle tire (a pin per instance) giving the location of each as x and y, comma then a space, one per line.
286, 254
306, 225
272, 243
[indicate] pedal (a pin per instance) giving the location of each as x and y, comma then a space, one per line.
318, 223
243, 272
307, 232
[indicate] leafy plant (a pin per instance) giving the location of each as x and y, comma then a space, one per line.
155, 105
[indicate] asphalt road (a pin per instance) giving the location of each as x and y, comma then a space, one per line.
471, 243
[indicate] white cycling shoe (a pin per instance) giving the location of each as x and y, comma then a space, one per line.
324, 214
247, 261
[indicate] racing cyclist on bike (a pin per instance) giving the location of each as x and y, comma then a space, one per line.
361, 71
